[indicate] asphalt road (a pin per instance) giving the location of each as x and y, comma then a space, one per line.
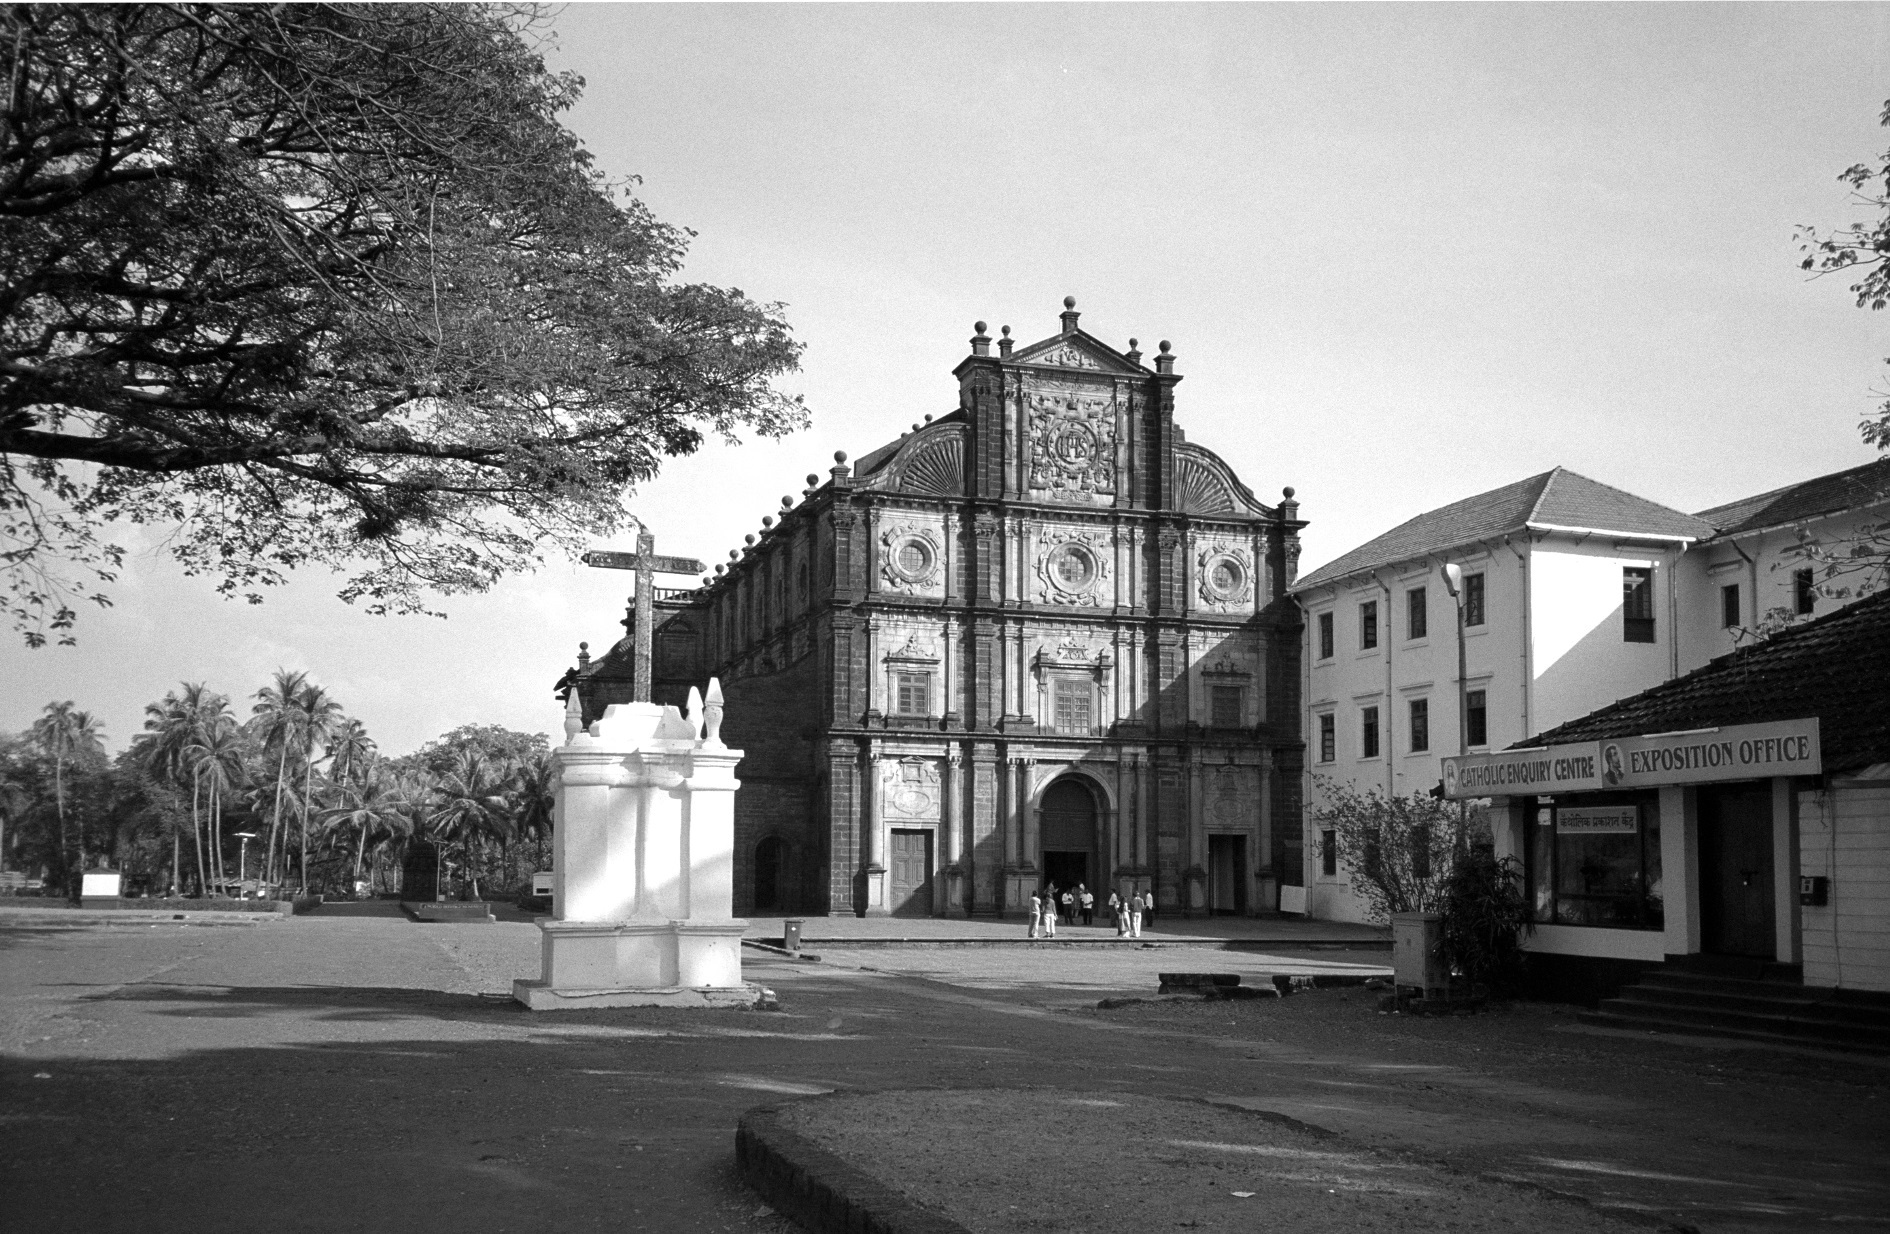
371, 1074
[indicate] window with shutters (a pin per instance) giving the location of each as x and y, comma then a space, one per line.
1420, 725
1073, 705
1328, 738
1417, 621
1477, 715
1473, 599
1637, 604
912, 694
1368, 732
1225, 706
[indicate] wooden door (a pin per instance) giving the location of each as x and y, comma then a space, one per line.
911, 869
1736, 893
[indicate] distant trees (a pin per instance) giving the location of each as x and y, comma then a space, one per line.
166, 812
331, 284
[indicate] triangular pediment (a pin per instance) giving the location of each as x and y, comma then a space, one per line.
1078, 351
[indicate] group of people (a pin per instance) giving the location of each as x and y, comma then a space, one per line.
1049, 904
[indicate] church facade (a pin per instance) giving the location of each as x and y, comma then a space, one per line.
1043, 638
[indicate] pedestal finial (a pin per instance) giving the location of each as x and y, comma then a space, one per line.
712, 714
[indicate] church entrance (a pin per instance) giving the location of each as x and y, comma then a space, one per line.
1227, 874
911, 869
1067, 827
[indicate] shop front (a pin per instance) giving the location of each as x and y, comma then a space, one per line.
1647, 849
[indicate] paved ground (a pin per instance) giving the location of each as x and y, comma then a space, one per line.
346, 1072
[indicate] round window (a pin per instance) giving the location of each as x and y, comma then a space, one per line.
912, 560
1072, 567
1226, 578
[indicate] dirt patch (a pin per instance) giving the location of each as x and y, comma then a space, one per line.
1003, 1161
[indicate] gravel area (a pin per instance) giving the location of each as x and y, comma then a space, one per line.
1000, 1161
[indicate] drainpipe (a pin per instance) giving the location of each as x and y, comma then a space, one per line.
1522, 573
1386, 745
1673, 615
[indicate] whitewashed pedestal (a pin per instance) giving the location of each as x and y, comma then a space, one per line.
643, 861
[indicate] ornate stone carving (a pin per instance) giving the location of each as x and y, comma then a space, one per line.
1224, 576
909, 557
911, 787
1066, 355
1072, 442
914, 648
1230, 798
1072, 566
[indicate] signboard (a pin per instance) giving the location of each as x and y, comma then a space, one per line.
1701, 756
636, 561
1524, 773
1598, 820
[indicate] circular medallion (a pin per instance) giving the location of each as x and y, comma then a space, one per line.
1073, 567
1073, 443
1226, 579
913, 559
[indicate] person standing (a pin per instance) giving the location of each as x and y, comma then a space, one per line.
1036, 913
1088, 901
1148, 907
1066, 904
1049, 913
1136, 905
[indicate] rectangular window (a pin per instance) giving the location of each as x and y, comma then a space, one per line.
1073, 701
1418, 617
1325, 636
1368, 625
913, 694
1637, 604
1329, 854
1328, 738
1729, 605
1595, 861
1368, 732
1420, 725
1804, 591
1224, 703
1476, 706
1473, 599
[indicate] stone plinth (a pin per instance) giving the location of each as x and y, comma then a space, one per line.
643, 865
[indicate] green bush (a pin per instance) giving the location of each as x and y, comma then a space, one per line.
1485, 914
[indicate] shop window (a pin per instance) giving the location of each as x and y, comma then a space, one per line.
1473, 599
912, 694
1595, 861
1420, 725
1072, 703
1224, 703
1325, 636
1368, 625
1804, 591
1329, 854
1637, 604
1477, 716
1328, 738
1417, 617
1368, 732
1729, 605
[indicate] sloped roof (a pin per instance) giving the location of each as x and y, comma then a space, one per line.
1832, 494
1836, 667
1556, 498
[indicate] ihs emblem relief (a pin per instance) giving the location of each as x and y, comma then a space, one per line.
1072, 442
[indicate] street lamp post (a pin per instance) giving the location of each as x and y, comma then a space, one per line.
1453, 582
242, 862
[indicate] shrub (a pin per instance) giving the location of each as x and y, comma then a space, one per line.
1485, 914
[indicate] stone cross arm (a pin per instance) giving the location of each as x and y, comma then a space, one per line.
647, 565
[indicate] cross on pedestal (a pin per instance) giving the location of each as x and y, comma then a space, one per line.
647, 565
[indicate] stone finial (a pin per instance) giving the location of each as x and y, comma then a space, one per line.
813, 482
787, 503
840, 472
1134, 355
1004, 344
693, 711
767, 520
584, 655
573, 715
749, 538
734, 554
712, 715
980, 341
1070, 314
1165, 362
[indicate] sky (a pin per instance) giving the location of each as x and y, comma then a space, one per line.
1403, 253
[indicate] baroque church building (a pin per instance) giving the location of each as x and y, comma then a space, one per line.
1043, 638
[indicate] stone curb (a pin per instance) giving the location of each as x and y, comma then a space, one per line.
818, 1189
1196, 944
90, 917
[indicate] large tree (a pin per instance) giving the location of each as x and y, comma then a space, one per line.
331, 284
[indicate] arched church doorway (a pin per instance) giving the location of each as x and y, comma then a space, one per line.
770, 859
1067, 832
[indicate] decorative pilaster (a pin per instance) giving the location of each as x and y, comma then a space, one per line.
872, 868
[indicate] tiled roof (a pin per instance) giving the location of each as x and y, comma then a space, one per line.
1558, 498
1839, 491
1836, 668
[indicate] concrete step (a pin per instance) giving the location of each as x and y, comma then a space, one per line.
1640, 1022
1762, 999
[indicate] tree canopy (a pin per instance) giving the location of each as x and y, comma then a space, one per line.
1862, 251
332, 284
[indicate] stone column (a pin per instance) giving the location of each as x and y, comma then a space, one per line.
1026, 770
952, 818
871, 842
1194, 891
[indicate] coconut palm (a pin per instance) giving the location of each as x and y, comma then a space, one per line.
374, 806
321, 717
351, 753
277, 724
469, 806
533, 798
216, 757
66, 734
174, 730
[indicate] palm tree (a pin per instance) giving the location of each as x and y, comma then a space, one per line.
217, 761
534, 796
277, 723
173, 728
321, 716
65, 734
351, 753
470, 805
374, 805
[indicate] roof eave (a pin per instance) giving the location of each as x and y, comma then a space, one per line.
1617, 533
